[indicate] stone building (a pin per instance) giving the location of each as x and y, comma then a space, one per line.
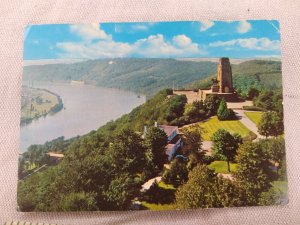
222, 86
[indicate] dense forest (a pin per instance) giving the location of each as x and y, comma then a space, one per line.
146, 76
258, 74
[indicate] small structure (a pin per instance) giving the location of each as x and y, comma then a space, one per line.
55, 157
222, 86
78, 82
174, 139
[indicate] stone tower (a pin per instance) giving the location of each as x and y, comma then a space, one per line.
224, 76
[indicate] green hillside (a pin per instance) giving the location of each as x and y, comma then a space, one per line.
257, 73
147, 76
261, 74
156, 109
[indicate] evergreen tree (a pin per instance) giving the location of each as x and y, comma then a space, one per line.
223, 112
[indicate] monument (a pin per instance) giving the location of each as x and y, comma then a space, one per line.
222, 85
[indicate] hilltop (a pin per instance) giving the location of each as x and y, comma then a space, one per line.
261, 74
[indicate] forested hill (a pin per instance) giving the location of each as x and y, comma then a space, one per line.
146, 76
260, 74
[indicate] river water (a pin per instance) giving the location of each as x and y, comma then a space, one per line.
87, 108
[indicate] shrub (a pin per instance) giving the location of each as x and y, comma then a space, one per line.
252, 108
224, 113
250, 136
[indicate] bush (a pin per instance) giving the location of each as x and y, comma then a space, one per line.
208, 159
181, 121
252, 108
224, 113
250, 136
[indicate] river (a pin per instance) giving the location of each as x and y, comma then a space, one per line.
87, 108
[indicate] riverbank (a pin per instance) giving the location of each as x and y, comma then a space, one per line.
38, 102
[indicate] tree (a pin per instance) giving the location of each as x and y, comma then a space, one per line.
223, 112
275, 149
79, 202
274, 196
195, 111
192, 145
270, 124
204, 189
156, 141
253, 171
211, 104
175, 107
253, 93
226, 144
121, 192
270, 100
127, 152
177, 174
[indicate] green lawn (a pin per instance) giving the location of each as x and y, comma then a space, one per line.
166, 186
221, 166
281, 185
254, 116
162, 199
153, 206
213, 124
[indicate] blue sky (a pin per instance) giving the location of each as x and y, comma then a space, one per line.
234, 39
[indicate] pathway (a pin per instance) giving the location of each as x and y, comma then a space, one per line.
207, 146
146, 186
247, 122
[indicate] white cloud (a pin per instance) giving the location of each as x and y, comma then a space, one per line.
206, 24
36, 42
243, 27
139, 27
100, 49
157, 46
89, 31
152, 46
262, 44
182, 40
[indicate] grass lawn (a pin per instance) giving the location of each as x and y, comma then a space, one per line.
210, 126
153, 206
281, 185
166, 186
254, 116
163, 199
221, 166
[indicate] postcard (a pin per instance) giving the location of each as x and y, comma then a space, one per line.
152, 116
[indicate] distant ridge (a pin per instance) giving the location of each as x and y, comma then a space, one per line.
232, 60
51, 61
143, 76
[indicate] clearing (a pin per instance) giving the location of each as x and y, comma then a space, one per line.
36, 103
221, 167
161, 198
213, 124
